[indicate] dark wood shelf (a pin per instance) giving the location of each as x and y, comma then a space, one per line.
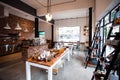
112, 43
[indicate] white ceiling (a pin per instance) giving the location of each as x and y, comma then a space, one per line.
54, 2
73, 13
38, 3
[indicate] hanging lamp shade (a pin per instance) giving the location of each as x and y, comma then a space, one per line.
18, 27
26, 30
7, 26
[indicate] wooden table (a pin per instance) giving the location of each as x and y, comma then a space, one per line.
45, 65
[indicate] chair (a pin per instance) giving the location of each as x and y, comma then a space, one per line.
71, 49
78, 45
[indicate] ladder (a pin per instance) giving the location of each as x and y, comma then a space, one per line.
116, 51
92, 47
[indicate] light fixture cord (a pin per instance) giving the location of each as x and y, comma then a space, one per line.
48, 6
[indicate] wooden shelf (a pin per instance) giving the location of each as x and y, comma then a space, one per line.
112, 43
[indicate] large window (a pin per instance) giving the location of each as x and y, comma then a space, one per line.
69, 34
105, 24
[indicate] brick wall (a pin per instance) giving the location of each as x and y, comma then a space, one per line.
12, 20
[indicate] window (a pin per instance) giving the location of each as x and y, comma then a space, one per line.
113, 12
107, 19
98, 25
102, 38
109, 49
106, 31
101, 23
69, 34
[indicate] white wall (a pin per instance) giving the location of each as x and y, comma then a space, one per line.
71, 23
44, 26
102, 7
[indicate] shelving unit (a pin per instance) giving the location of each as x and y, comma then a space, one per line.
115, 45
108, 65
9, 44
113, 64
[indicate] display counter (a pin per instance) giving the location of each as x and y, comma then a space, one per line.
28, 51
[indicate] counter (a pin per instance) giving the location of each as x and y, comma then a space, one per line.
28, 51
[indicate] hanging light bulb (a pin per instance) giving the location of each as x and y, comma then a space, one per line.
18, 27
7, 26
48, 15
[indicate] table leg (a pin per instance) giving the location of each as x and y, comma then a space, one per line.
50, 73
68, 55
28, 71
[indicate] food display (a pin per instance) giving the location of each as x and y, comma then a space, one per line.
47, 55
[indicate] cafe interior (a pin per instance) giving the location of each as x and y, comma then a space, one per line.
59, 40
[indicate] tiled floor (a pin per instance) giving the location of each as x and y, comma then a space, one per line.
73, 70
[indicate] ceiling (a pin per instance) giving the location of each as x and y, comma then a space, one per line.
38, 3
17, 12
54, 2
71, 13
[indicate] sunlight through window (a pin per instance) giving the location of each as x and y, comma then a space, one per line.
69, 34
